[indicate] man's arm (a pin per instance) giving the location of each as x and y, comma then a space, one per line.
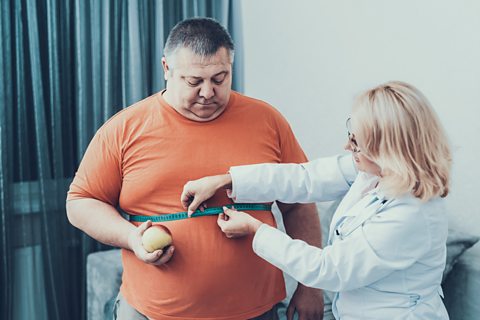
301, 222
102, 222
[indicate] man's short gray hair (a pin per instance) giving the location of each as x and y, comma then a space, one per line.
204, 36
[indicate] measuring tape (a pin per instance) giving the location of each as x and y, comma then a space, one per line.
207, 212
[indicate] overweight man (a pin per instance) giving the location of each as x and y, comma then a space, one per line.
140, 159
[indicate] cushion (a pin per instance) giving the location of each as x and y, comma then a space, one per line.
462, 286
104, 276
457, 243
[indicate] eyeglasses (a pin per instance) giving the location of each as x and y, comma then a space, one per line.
351, 137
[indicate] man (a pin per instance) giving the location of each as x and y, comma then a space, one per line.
141, 158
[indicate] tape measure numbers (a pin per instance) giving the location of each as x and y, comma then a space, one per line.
207, 212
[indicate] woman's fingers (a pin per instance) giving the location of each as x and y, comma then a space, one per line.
186, 196
221, 221
196, 202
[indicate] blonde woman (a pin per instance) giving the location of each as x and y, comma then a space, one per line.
387, 243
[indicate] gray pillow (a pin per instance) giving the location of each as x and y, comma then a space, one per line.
457, 243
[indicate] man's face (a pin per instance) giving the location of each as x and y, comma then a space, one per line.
198, 87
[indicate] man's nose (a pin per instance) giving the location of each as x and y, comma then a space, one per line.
207, 91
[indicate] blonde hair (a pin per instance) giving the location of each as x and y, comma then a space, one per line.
400, 132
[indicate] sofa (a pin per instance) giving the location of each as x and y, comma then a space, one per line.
461, 284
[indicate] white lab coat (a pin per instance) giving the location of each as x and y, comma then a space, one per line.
385, 257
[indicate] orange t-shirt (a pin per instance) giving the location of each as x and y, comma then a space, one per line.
141, 158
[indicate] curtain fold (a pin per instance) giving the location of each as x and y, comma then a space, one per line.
6, 164
66, 67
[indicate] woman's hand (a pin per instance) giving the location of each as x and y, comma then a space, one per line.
237, 223
157, 257
196, 192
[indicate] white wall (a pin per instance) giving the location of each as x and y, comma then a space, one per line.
310, 58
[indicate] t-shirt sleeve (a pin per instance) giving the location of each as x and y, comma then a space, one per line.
291, 152
99, 175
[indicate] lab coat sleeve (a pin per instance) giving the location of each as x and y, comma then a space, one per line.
388, 243
324, 179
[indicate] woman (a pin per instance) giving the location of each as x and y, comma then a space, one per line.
387, 243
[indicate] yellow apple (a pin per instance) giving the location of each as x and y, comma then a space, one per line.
156, 237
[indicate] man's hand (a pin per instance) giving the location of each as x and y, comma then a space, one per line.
157, 257
196, 192
307, 302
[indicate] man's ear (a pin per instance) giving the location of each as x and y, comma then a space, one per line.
166, 68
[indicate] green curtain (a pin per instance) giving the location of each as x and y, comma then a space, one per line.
65, 67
